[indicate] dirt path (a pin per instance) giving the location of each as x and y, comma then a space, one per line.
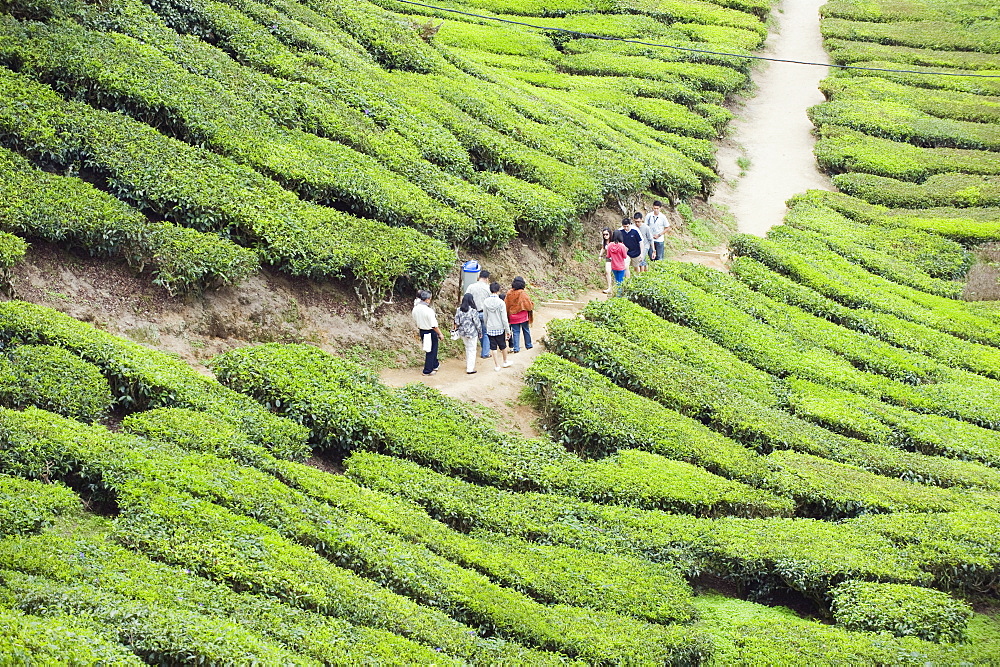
772, 130
499, 391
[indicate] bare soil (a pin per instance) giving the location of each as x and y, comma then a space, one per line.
771, 135
983, 279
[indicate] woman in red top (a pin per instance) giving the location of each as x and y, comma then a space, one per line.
617, 252
519, 307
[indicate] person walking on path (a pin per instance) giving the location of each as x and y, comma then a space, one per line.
480, 290
647, 240
497, 326
633, 242
618, 253
658, 224
426, 320
519, 307
605, 240
469, 329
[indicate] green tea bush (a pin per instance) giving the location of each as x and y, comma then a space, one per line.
141, 378
183, 105
931, 253
946, 34
745, 633
55, 379
583, 44
946, 348
955, 550
835, 356
697, 75
964, 225
541, 213
800, 231
841, 150
899, 122
28, 506
697, 11
26, 639
12, 250
902, 610
658, 337
156, 521
155, 633
199, 189
919, 76
420, 423
617, 583
66, 210
764, 555
55, 555
949, 189
149, 483
883, 11
853, 287
193, 431
845, 52
741, 417
938, 103
624, 586
245, 494
959, 548
860, 417
589, 413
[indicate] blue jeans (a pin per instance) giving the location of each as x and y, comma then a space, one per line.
484, 340
516, 329
619, 275
658, 246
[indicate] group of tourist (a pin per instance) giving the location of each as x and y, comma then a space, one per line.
639, 241
485, 316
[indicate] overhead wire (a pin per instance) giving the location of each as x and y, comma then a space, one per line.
690, 49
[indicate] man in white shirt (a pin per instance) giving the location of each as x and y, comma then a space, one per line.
658, 224
426, 320
480, 291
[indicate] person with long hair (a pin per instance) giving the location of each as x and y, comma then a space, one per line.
469, 329
605, 240
519, 314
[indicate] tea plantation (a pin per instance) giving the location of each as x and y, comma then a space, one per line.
793, 463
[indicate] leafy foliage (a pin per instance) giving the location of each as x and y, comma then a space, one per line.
905, 611
54, 379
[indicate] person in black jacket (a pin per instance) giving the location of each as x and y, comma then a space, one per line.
632, 241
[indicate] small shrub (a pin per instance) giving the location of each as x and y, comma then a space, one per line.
55, 379
900, 609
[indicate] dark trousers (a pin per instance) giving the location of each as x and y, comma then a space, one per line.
430, 358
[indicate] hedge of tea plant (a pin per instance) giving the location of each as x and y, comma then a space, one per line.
900, 609
54, 379
323, 113
323, 393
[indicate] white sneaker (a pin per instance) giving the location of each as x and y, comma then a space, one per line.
496, 368
506, 364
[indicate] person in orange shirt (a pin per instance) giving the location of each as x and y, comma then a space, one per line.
519, 313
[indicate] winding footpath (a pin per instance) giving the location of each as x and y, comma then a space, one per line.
771, 129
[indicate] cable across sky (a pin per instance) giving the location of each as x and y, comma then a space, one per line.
689, 49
